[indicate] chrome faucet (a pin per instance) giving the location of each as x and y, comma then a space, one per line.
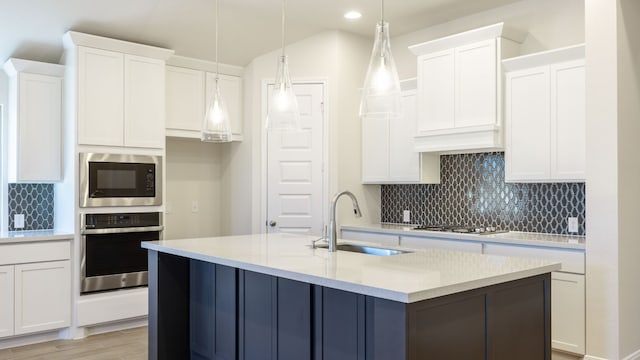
333, 233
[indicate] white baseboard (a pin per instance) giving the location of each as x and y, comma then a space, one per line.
589, 357
108, 307
634, 356
29, 339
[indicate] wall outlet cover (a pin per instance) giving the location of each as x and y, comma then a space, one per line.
572, 224
18, 221
406, 216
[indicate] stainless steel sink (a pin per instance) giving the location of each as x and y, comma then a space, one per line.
371, 250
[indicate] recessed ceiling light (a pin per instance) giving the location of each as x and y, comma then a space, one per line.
352, 15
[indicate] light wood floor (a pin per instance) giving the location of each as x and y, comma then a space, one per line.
119, 345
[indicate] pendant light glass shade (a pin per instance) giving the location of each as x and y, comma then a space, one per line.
283, 113
381, 91
217, 125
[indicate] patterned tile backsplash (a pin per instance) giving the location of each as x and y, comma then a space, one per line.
473, 192
35, 201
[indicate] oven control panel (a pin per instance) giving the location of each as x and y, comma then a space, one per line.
121, 220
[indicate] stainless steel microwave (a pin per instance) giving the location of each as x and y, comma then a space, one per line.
120, 180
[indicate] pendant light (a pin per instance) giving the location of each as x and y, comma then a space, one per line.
216, 126
381, 91
283, 113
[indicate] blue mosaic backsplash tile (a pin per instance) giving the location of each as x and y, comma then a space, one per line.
473, 192
35, 201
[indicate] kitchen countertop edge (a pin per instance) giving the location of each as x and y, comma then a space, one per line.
14, 237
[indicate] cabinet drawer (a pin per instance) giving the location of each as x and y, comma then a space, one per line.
572, 260
430, 243
34, 252
382, 239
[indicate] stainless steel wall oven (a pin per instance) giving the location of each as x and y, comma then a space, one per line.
120, 180
111, 254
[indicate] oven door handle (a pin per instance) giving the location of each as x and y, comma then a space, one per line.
121, 230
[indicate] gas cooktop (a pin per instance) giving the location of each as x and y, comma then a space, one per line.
480, 230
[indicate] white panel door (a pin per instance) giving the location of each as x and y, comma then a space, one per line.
100, 97
527, 153
42, 296
568, 121
39, 122
568, 312
184, 99
294, 173
6, 301
144, 102
436, 89
475, 84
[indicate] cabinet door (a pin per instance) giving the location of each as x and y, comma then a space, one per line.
38, 147
430, 243
436, 88
527, 153
184, 100
42, 296
372, 237
568, 121
6, 301
100, 97
404, 162
375, 150
475, 84
568, 312
341, 326
231, 92
144, 102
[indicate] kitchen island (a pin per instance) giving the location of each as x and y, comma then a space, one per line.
272, 296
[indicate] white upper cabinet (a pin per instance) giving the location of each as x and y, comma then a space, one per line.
459, 89
118, 88
189, 87
35, 121
545, 112
388, 156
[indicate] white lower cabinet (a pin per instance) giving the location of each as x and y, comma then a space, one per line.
429, 243
6, 301
42, 296
35, 287
568, 312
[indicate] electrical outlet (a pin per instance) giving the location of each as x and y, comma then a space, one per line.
406, 216
18, 221
572, 224
194, 206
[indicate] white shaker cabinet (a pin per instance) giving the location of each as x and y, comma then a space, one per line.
144, 106
35, 121
430, 243
372, 237
185, 104
189, 85
42, 296
459, 89
568, 312
100, 97
118, 89
388, 156
6, 301
545, 116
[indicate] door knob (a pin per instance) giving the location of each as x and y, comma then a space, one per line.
272, 223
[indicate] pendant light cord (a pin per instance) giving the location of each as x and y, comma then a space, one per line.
217, 63
283, 24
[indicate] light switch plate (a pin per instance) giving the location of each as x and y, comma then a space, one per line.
406, 216
572, 224
18, 221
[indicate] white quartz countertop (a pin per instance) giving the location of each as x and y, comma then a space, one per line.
407, 278
511, 237
9, 237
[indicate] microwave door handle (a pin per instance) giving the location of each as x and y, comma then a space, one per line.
122, 230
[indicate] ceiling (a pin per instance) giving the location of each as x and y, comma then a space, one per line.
33, 29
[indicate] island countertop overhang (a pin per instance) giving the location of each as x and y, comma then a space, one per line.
421, 275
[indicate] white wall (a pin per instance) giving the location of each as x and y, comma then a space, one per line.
4, 99
193, 173
549, 24
339, 59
